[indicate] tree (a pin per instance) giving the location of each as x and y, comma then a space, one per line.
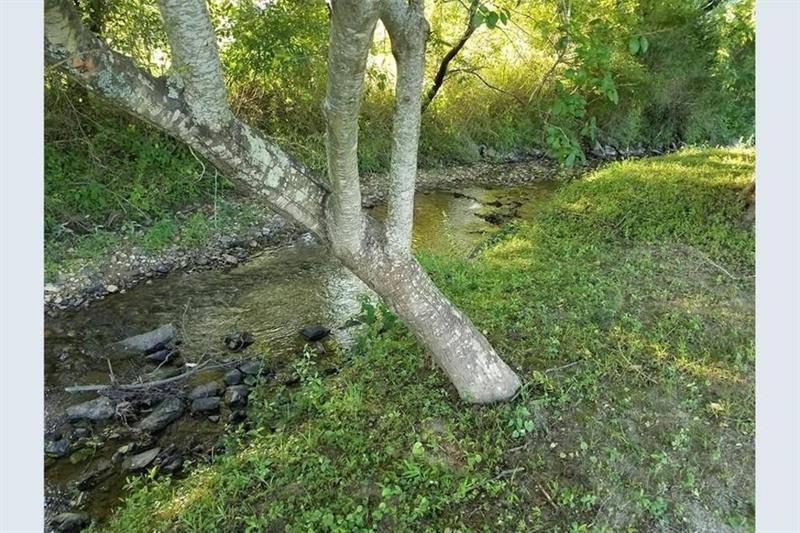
190, 104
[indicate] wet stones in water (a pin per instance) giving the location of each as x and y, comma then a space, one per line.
315, 333
254, 367
140, 461
233, 377
149, 341
70, 522
237, 395
239, 340
163, 415
212, 388
95, 410
99, 473
56, 448
205, 405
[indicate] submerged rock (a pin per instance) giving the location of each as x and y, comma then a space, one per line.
237, 395
163, 415
141, 460
205, 405
161, 356
98, 409
148, 341
239, 340
315, 333
101, 471
211, 388
70, 522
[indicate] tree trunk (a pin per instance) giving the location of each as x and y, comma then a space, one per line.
191, 106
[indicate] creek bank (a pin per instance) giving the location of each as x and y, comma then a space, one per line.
128, 429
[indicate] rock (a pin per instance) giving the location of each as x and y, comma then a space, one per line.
70, 522
98, 409
101, 471
233, 377
252, 367
141, 460
163, 415
112, 288
315, 333
172, 463
148, 341
239, 340
50, 287
161, 356
250, 380
163, 268
81, 455
56, 448
237, 395
230, 259
214, 418
212, 388
205, 405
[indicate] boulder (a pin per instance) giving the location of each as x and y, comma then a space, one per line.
252, 367
211, 388
163, 415
100, 408
239, 340
148, 341
70, 522
237, 395
314, 333
140, 461
205, 405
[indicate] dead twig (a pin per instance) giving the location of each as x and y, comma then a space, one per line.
547, 495
144, 385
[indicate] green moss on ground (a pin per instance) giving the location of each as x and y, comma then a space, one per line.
627, 308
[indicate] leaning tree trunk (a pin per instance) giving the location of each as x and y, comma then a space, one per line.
191, 106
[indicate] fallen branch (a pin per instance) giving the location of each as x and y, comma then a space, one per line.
143, 385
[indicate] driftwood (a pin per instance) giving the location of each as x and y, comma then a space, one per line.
144, 385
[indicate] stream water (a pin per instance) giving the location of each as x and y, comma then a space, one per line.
273, 296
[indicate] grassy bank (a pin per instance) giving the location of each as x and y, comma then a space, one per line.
627, 308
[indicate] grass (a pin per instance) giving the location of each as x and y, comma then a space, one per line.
627, 308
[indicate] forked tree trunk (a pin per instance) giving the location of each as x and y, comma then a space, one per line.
191, 107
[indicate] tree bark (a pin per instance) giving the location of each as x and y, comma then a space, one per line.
192, 108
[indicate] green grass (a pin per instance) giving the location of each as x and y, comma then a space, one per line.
617, 305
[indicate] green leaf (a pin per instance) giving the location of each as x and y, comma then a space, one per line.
504, 17
477, 19
644, 44
491, 19
633, 45
570, 159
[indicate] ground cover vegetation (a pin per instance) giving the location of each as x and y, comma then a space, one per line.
626, 307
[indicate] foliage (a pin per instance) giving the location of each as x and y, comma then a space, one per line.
565, 76
637, 411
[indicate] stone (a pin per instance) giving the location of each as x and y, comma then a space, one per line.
252, 367
230, 259
163, 415
214, 418
205, 405
233, 377
95, 410
211, 388
112, 288
315, 333
99, 473
140, 461
56, 448
239, 340
172, 464
70, 522
148, 341
237, 395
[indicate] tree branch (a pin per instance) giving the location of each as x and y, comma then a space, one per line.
195, 60
408, 31
441, 73
351, 30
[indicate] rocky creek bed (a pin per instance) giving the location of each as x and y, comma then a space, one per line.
150, 381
